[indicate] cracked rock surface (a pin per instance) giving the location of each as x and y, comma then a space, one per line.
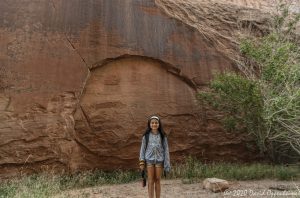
78, 80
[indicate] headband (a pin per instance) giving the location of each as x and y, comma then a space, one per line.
154, 117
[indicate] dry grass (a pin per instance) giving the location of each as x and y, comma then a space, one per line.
192, 171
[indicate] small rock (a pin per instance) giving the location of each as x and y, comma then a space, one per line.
215, 184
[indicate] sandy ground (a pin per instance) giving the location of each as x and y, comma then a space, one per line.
177, 189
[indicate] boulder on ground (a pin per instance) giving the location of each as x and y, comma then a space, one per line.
215, 184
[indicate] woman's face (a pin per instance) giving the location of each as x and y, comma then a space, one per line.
154, 124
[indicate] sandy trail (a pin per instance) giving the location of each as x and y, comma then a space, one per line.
176, 189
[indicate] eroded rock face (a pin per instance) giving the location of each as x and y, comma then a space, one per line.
80, 78
41, 138
118, 99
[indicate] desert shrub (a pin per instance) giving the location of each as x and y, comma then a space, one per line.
265, 104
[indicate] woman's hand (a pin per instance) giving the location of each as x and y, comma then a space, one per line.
142, 167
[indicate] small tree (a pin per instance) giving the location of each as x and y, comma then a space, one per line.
267, 106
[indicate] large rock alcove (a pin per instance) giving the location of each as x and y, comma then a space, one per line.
119, 97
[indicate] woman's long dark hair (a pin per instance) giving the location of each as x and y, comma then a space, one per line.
160, 128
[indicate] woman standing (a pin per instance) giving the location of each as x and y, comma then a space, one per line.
154, 155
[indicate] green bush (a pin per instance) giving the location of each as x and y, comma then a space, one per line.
265, 104
241, 101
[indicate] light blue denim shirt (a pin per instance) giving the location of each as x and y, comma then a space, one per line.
155, 152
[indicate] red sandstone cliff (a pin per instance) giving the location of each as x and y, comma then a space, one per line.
79, 79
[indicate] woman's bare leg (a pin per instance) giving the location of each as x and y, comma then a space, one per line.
151, 178
158, 171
